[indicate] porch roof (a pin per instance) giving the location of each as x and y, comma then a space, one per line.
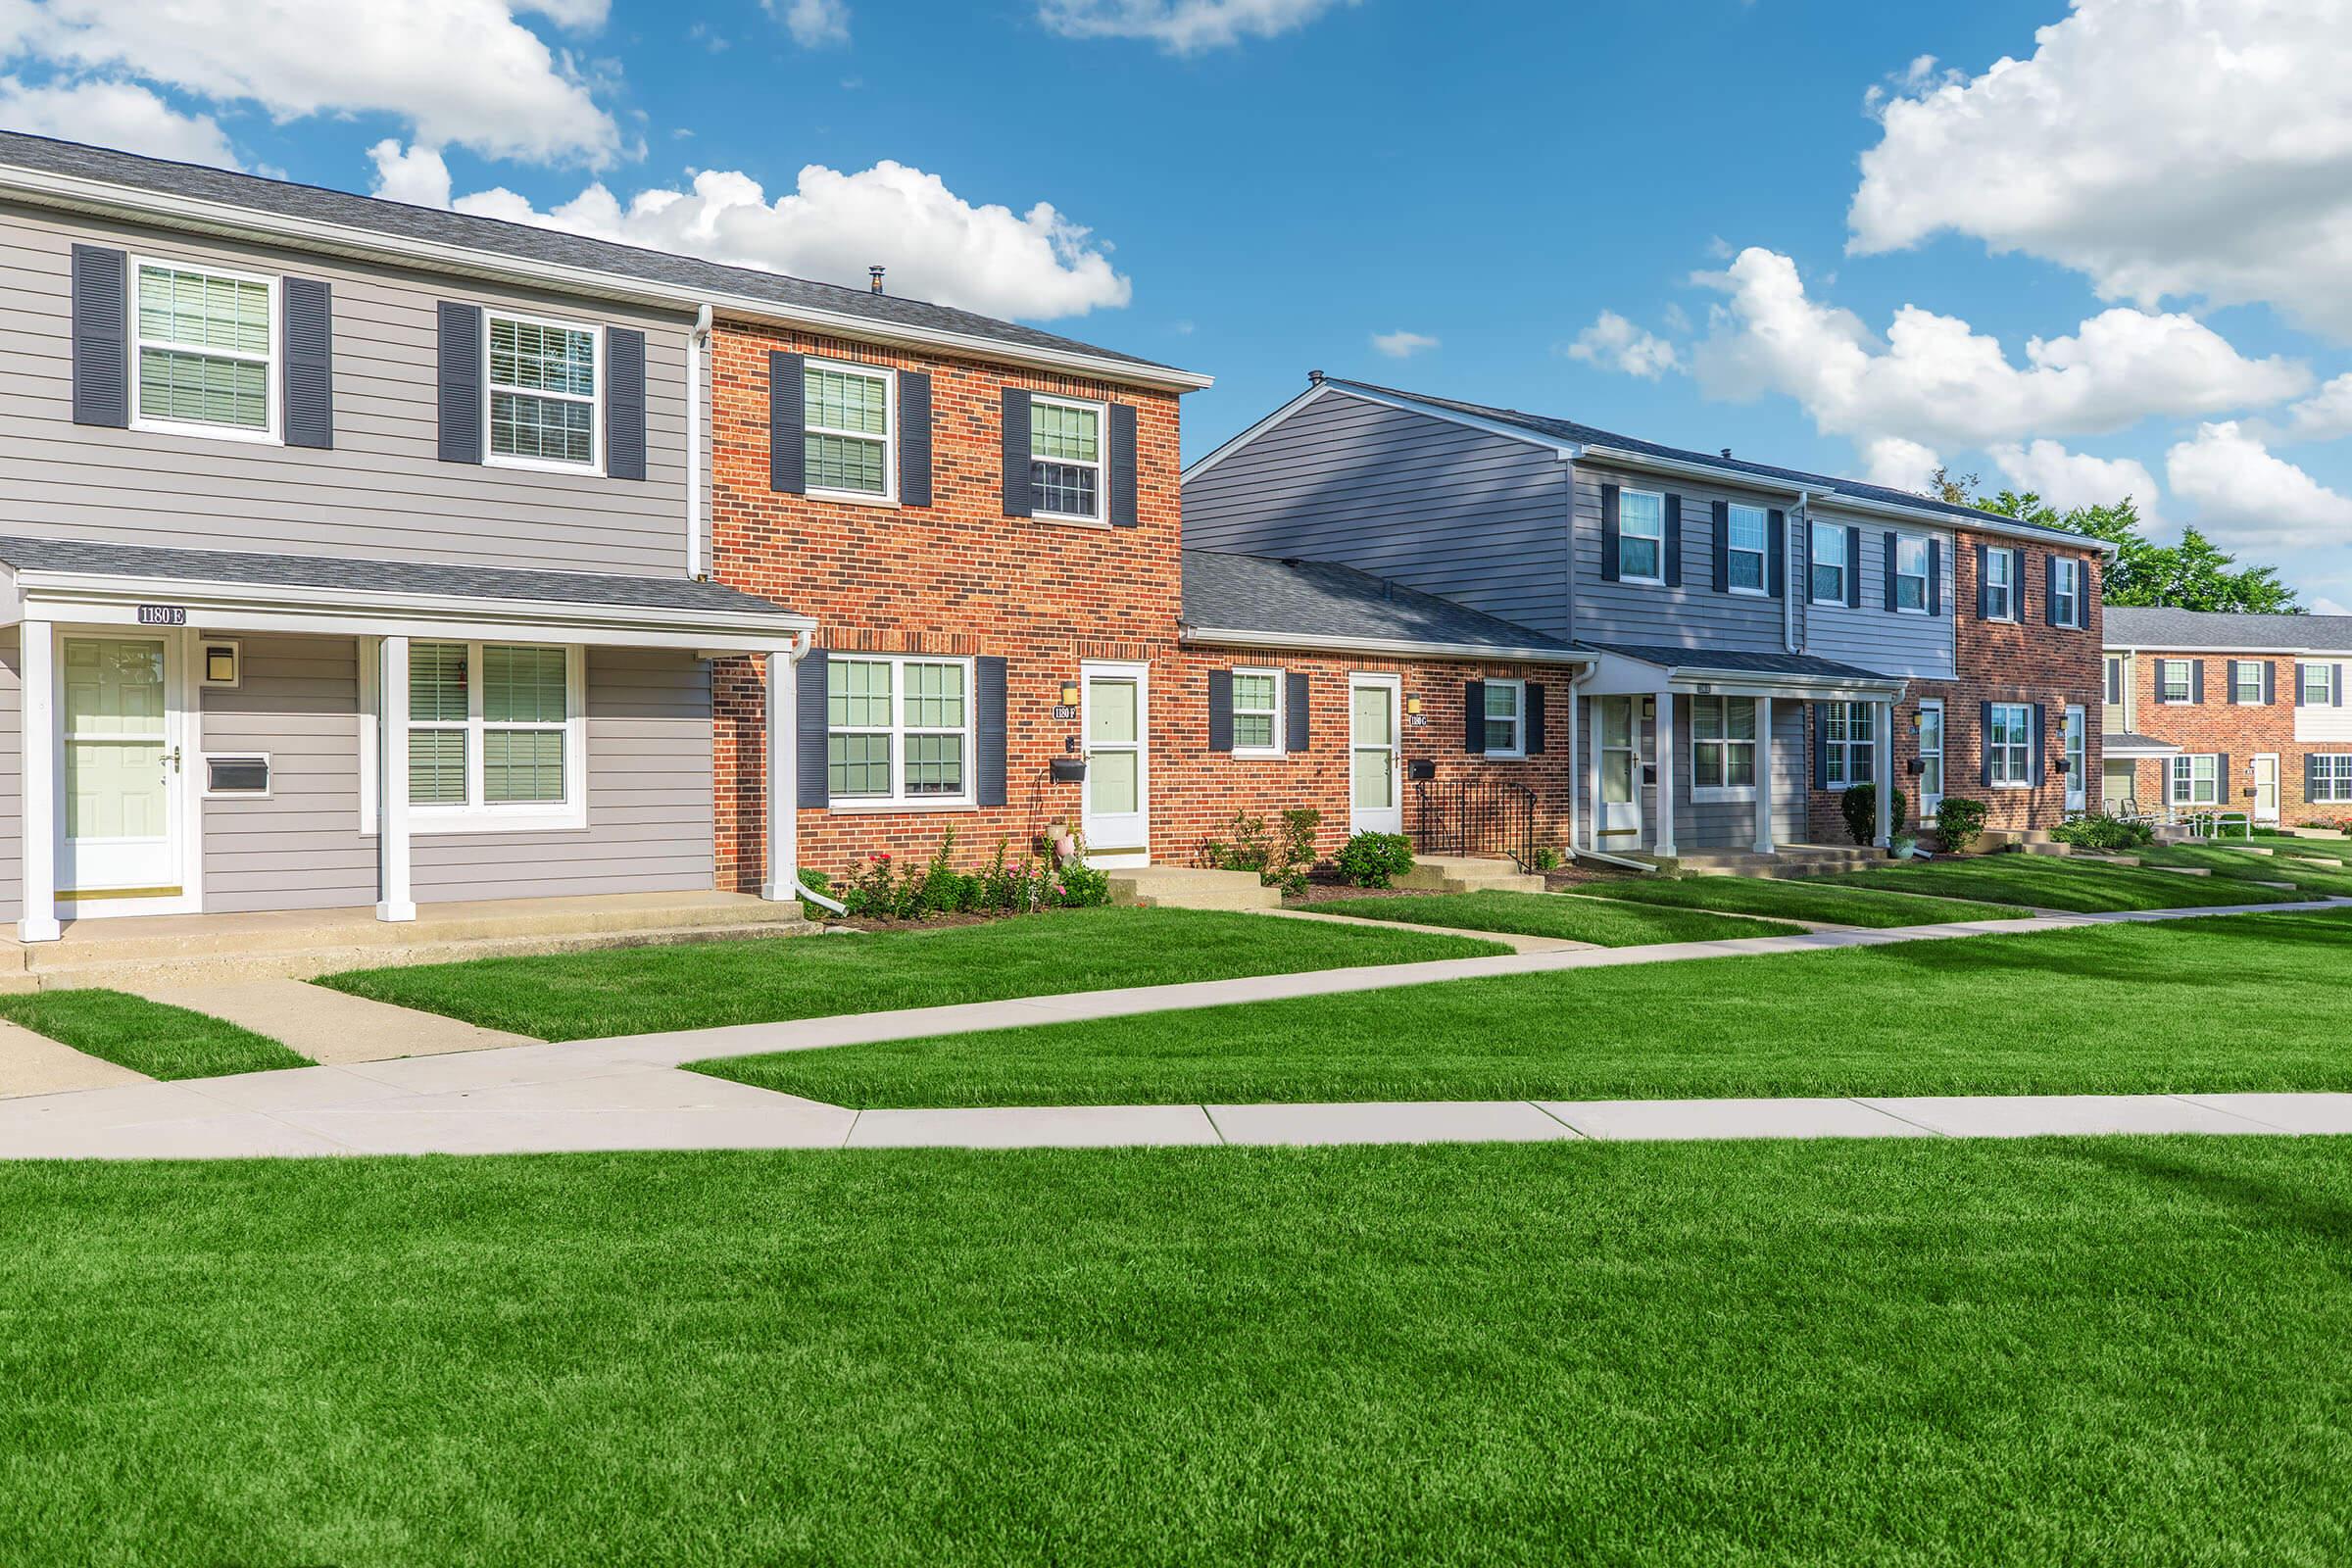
2119, 743
1805, 671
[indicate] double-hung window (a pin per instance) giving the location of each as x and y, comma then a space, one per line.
494, 736
204, 360
2009, 746
2330, 780
1257, 712
2000, 585
1066, 459
1723, 745
1640, 536
1830, 564
1911, 567
1506, 717
2319, 685
2065, 591
2172, 680
1748, 549
897, 729
1849, 747
2197, 780
2115, 680
848, 413
2245, 682
544, 379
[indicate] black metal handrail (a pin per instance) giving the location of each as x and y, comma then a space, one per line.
1475, 816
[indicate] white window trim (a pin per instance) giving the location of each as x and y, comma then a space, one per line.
519, 816
2012, 609
2188, 683
272, 360
2327, 673
2339, 780
2071, 569
1281, 699
1100, 515
888, 495
2112, 677
1659, 578
2173, 781
1841, 753
1925, 576
1941, 754
898, 800
2025, 709
2240, 669
1709, 793
1813, 561
1517, 750
595, 400
1762, 553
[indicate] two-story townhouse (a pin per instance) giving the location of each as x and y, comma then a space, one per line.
2231, 712
1762, 638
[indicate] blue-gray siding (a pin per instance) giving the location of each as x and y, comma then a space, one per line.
1916, 647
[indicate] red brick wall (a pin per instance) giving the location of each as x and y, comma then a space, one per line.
2240, 731
958, 578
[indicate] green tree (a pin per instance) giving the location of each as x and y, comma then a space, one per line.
2193, 575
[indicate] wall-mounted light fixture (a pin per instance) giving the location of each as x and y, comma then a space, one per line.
1412, 704
220, 663
1070, 694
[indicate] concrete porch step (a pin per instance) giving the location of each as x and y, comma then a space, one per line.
1468, 873
1789, 860
1191, 886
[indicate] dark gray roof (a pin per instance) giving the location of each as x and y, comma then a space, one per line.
1318, 598
361, 577
521, 241
1672, 658
2125, 740
1590, 435
2206, 628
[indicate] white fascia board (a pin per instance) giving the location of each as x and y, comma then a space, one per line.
1728, 479
1395, 647
1624, 676
227, 221
2109, 747
2234, 650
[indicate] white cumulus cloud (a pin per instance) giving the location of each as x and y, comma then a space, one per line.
2325, 415
1402, 345
830, 227
812, 24
1616, 344
1182, 27
2069, 479
2248, 499
1897, 464
2164, 148
114, 114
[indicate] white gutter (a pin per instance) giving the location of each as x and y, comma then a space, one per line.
233, 221
1408, 648
2239, 649
695, 339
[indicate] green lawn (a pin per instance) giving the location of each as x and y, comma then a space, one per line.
1550, 914
2312, 881
2245, 1001
2052, 882
149, 1036
1798, 901
2061, 1351
582, 995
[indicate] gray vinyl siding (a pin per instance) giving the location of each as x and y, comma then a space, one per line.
1918, 647
1693, 615
1435, 505
12, 777
1709, 824
297, 700
382, 491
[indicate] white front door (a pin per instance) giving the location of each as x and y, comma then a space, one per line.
2266, 787
1930, 756
2077, 758
1620, 754
122, 815
1117, 723
1375, 793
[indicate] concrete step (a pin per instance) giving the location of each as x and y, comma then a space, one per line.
1191, 886
1468, 873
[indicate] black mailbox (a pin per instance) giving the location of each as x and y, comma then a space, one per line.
1916, 766
1649, 772
1069, 769
1421, 769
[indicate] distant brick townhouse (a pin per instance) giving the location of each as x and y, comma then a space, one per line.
2229, 712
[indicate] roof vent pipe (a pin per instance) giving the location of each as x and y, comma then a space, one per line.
1726, 451
1315, 377
874, 276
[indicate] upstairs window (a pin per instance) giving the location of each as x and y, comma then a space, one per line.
1506, 717
1723, 743
1066, 459
847, 416
543, 393
2172, 680
2115, 680
1640, 536
2000, 585
2245, 680
1830, 564
2319, 685
204, 360
1911, 567
1749, 543
2065, 591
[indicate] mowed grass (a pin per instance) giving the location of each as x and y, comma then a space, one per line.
582, 995
2311, 881
1800, 901
2055, 882
2228, 1002
1552, 914
2117, 1349
149, 1036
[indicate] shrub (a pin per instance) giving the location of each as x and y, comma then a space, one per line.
1548, 858
1278, 863
1376, 860
1860, 803
2096, 830
1084, 887
816, 882
1959, 822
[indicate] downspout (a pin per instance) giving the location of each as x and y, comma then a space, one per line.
697, 338
787, 848
1790, 578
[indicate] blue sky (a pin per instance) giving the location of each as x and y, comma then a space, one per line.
1257, 187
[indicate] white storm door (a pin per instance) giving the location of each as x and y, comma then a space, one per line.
1620, 767
1930, 756
2266, 787
2078, 787
1375, 791
1117, 817
120, 814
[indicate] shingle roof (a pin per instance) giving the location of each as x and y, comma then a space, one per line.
521, 241
2117, 741
1591, 435
1673, 657
2206, 628
1318, 598
362, 577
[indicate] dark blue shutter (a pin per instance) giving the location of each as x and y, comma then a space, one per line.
1893, 547
787, 422
915, 438
624, 404
988, 714
1123, 512
1295, 707
1610, 552
2196, 680
1934, 576
1821, 746
2270, 682
1674, 542
1723, 547
1015, 426
1983, 737
808, 718
1474, 717
1778, 546
2049, 591
2224, 782
2038, 765
1984, 582
1853, 568
2336, 687
461, 379
2298, 680
310, 340
101, 337
1535, 719
1220, 709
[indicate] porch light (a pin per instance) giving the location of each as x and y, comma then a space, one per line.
1412, 704
1070, 694
220, 663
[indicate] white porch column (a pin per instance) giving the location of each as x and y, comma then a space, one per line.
1763, 775
1574, 818
1592, 813
782, 858
1883, 715
1665, 756
394, 900
38, 675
